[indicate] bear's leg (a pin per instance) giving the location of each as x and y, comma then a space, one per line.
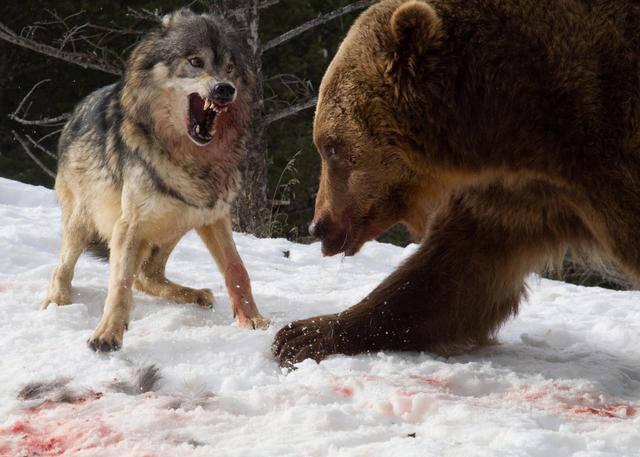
466, 279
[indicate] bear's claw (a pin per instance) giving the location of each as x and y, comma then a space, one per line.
306, 339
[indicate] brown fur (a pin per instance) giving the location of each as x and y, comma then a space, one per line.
501, 132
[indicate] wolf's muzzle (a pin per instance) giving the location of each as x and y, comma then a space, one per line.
223, 93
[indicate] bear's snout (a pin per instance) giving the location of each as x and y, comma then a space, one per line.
320, 228
332, 235
315, 229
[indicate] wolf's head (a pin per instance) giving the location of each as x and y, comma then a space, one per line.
190, 77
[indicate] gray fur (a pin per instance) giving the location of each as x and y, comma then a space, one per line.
145, 380
35, 390
147, 159
99, 120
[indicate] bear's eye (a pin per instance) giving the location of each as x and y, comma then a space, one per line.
196, 62
331, 149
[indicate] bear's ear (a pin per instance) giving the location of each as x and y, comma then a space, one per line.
416, 28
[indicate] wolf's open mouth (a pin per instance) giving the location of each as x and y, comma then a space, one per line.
202, 119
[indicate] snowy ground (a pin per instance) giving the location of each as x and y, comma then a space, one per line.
564, 382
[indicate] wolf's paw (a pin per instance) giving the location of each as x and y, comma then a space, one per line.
254, 323
108, 335
59, 299
203, 298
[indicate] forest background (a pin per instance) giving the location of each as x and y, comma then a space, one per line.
54, 53
291, 74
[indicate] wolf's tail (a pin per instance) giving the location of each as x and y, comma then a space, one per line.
99, 249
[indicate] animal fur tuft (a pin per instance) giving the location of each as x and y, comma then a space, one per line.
35, 390
144, 381
99, 249
55, 391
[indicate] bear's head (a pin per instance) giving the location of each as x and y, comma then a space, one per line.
369, 104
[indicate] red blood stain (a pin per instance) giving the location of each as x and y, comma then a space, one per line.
345, 391
34, 442
39, 436
429, 381
407, 393
400, 382
535, 396
618, 410
566, 399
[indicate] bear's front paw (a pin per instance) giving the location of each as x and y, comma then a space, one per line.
314, 338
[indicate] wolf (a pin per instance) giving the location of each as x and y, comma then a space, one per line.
145, 160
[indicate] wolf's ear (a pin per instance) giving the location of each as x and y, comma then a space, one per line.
416, 28
171, 18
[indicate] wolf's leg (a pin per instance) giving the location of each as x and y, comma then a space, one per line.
76, 235
152, 280
74, 241
128, 251
219, 240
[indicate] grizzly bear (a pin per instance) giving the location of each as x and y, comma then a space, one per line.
501, 133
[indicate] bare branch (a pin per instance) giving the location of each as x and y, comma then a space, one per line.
290, 111
316, 22
32, 155
44, 137
240, 11
282, 90
116, 30
42, 148
47, 121
145, 14
35, 86
267, 4
85, 60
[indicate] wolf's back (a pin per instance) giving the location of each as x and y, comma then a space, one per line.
91, 141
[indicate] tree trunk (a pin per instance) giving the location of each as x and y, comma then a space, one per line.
251, 209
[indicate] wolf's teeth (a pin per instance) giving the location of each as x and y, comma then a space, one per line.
198, 129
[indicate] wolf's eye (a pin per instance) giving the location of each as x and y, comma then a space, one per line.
196, 62
230, 68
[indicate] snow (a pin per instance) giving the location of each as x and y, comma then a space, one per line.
565, 380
